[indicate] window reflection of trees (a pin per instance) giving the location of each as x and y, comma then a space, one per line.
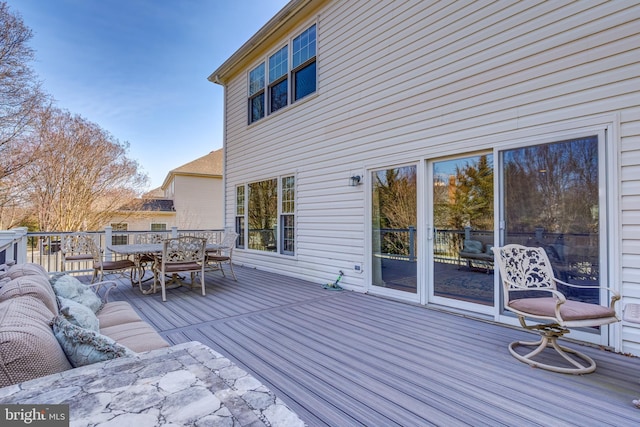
552, 200
395, 199
263, 213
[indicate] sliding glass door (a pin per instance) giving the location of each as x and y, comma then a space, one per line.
394, 233
552, 200
463, 237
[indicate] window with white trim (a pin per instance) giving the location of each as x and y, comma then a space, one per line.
158, 226
284, 77
265, 218
240, 216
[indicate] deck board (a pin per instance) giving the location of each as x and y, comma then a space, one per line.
347, 359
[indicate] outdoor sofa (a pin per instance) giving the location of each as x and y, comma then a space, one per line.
50, 324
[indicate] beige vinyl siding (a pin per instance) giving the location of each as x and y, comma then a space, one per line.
404, 81
197, 202
630, 218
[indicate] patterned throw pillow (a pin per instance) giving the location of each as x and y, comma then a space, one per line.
79, 314
71, 288
85, 347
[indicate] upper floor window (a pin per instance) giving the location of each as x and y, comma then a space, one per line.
278, 81
285, 77
304, 64
256, 93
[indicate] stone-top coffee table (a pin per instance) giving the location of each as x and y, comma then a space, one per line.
187, 384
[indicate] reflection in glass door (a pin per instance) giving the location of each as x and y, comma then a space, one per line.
463, 231
393, 230
551, 200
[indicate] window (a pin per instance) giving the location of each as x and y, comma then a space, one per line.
287, 218
240, 216
299, 80
304, 64
268, 204
256, 93
119, 239
158, 226
278, 82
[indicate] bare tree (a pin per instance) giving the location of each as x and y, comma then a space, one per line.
20, 93
82, 176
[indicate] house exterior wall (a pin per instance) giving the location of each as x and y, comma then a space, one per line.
142, 222
198, 202
406, 82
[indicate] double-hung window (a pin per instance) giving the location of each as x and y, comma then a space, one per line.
240, 216
304, 64
286, 76
278, 81
256, 93
265, 218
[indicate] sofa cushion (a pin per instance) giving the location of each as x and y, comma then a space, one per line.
85, 347
28, 348
35, 286
472, 246
27, 269
67, 286
117, 313
78, 314
138, 336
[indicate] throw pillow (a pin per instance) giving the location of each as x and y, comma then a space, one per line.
489, 249
472, 246
85, 347
67, 286
78, 314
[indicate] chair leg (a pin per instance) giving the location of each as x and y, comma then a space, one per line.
232, 272
162, 284
549, 335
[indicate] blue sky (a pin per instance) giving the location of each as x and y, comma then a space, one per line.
139, 68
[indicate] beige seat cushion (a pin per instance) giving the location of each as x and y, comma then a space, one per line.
28, 348
117, 313
35, 286
27, 269
570, 310
138, 336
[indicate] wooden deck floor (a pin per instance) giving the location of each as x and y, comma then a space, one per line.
347, 359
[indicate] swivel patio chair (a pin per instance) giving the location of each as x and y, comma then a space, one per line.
184, 254
224, 255
526, 271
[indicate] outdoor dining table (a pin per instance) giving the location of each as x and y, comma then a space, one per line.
153, 250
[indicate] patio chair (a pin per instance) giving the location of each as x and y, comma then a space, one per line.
224, 254
76, 248
184, 254
102, 266
146, 260
526, 273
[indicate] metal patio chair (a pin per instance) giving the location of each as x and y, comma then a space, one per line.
526, 273
76, 248
101, 266
224, 255
184, 254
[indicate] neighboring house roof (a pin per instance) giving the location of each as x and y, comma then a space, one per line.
151, 205
156, 193
210, 165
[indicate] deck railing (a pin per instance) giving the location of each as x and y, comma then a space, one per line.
45, 248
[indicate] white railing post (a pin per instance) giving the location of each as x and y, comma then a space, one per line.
21, 255
108, 233
174, 231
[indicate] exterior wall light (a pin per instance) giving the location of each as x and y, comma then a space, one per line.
355, 180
